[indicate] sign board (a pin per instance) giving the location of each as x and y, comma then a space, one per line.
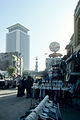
54, 46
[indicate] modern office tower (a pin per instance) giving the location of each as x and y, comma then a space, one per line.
17, 40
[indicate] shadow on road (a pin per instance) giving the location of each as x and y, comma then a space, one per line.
12, 107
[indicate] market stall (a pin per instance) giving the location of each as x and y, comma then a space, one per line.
45, 110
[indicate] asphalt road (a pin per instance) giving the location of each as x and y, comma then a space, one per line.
11, 106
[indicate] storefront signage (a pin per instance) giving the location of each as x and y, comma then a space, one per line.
54, 46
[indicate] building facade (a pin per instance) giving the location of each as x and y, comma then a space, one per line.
17, 40
77, 27
52, 61
73, 48
11, 58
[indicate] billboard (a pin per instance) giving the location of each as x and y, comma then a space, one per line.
54, 46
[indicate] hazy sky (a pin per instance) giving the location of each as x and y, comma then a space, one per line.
47, 20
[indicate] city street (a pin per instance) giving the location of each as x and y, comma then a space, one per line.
12, 107
40, 60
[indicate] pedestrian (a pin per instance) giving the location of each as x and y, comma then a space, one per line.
23, 86
19, 85
28, 86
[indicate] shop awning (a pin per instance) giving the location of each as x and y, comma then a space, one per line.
55, 55
69, 58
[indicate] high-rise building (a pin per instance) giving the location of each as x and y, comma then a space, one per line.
17, 40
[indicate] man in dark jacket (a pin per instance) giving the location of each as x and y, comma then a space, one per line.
28, 85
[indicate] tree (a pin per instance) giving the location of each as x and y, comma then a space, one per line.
11, 70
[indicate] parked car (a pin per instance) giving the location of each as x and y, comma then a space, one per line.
6, 82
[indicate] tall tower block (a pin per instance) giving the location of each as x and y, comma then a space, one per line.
18, 40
